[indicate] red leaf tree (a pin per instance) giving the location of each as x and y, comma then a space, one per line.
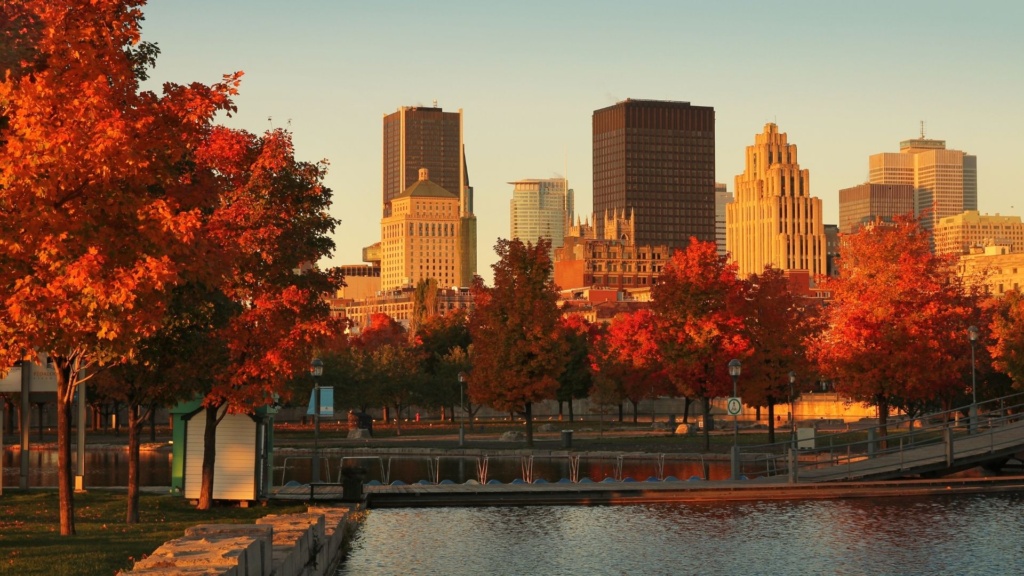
631, 355
1007, 336
894, 331
697, 300
97, 194
517, 355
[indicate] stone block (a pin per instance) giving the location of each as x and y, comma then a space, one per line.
263, 534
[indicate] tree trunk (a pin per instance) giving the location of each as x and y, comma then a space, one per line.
686, 409
152, 423
134, 429
65, 391
622, 417
636, 410
560, 406
883, 421
529, 424
571, 415
771, 420
398, 419
707, 423
209, 458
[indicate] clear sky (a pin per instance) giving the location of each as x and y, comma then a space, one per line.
844, 79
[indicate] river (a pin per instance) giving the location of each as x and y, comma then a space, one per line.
977, 534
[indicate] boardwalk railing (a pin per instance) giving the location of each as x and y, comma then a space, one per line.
933, 443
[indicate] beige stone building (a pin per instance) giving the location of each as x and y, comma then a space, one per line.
422, 238
399, 304
995, 267
945, 181
774, 219
960, 233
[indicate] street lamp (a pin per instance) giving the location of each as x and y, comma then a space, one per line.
462, 411
972, 335
734, 370
316, 369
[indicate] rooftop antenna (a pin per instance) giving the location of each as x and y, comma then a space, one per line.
922, 129
435, 102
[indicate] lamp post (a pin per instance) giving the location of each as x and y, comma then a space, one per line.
734, 370
972, 335
316, 369
792, 410
462, 411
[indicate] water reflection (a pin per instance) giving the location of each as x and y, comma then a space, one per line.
928, 535
102, 468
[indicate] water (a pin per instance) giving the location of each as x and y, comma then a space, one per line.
978, 534
102, 468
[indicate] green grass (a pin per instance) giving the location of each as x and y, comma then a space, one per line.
30, 540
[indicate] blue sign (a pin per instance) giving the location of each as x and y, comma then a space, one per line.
326, 402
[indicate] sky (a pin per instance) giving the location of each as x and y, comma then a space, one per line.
844, 80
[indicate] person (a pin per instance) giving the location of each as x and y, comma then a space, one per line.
353, 420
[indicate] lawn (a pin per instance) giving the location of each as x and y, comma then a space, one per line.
30, 540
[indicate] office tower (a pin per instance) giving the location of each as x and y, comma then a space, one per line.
541, 209
945, 181
422, 237
870, 202
774, 219
722, 198
832, 249
960, 233
656, 159
418, 137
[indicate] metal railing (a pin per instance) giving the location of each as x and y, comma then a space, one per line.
933, 441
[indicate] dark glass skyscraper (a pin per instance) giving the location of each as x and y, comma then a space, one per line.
656, 159
419, 137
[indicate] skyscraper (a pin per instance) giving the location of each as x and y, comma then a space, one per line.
417, 137
656, 159
722, 199
541, 209
945, 181
774, 219
869, 202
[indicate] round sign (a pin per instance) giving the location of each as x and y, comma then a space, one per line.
734, 406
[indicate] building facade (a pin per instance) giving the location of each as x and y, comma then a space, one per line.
722, 198
774, 220
869, 202
612, 262
541, 209
422, 237
656, 159
832, 244
399, 304
418, 137
945, 181
996, 268
960, 233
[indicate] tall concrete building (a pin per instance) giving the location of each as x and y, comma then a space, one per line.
656, 159
945, 181
418, 137
960, 233
870, 202
774, 219
722, 198
541, 209
422, 237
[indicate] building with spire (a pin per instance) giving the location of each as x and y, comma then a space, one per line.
945, 182
422, 237
656, 159
541, 209
417, 137
774, 220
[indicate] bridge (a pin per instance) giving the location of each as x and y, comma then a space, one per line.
936, 445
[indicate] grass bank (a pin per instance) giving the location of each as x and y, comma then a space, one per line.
30, 540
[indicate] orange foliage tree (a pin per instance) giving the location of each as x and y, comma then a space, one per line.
1007, 336
776, 323
894, 331
700, 326
629, 353
517, 355
576, 379
97, 195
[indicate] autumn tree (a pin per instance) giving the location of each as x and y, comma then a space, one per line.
97, 194
576, 378
700, 329
517, 356
776, 323
631, 355
270, 225
438, 338
1007, 333
894, 331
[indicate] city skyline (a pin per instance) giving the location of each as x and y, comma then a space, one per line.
844, 81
